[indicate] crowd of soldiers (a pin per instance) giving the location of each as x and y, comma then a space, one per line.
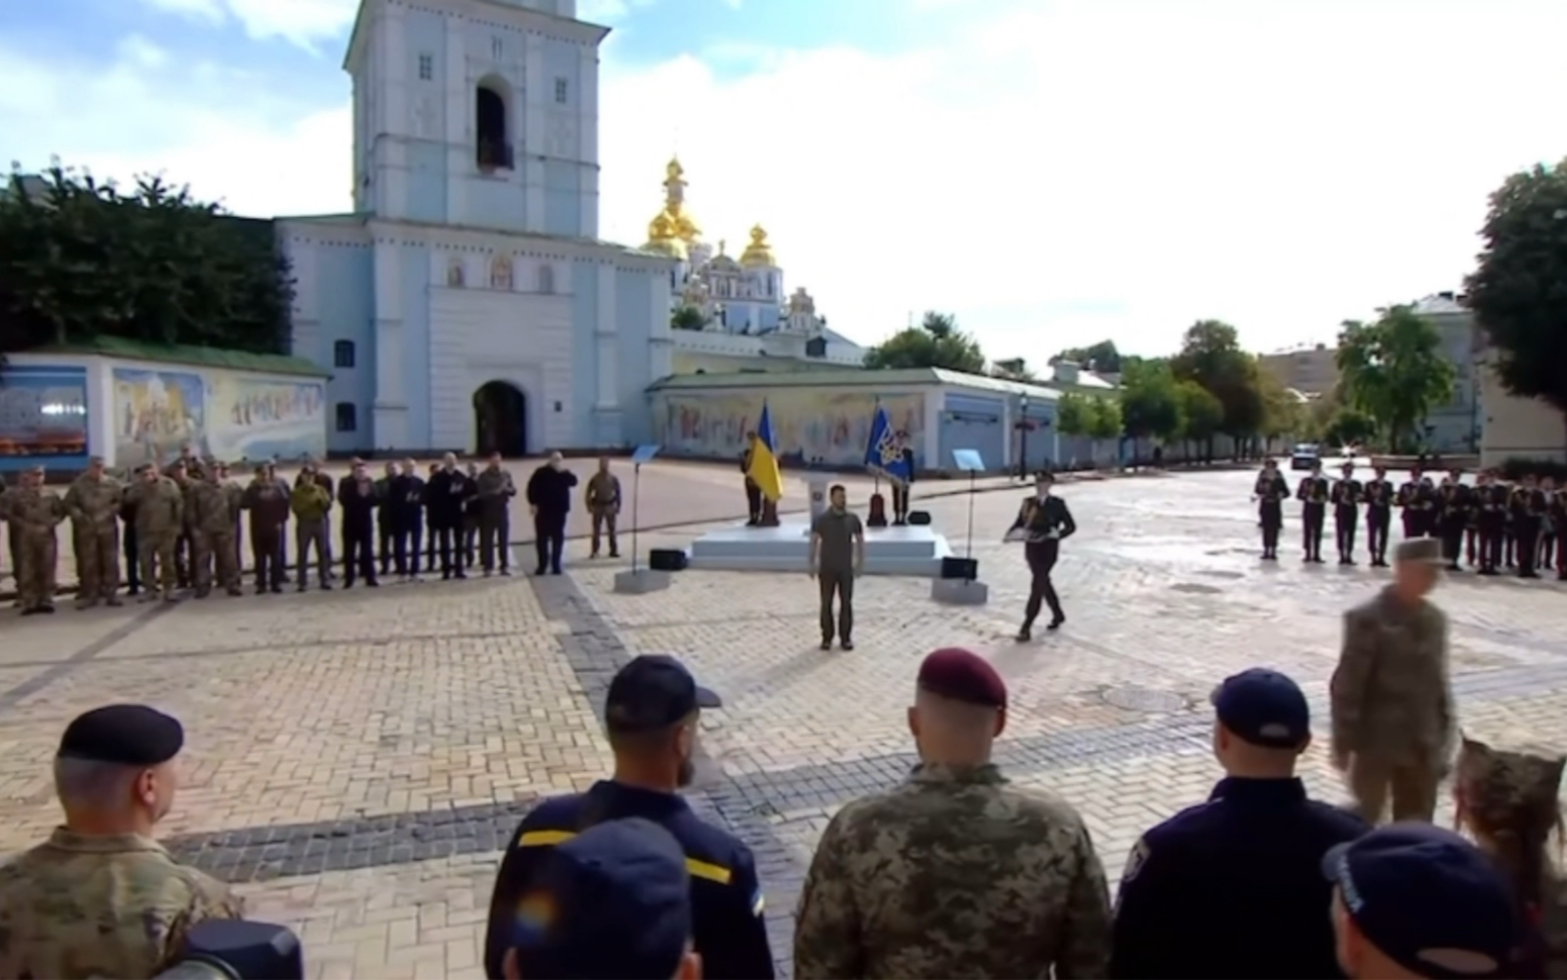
178, 527
1490, 525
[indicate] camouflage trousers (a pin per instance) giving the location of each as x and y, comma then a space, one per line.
155, 555
209, 548
97, 562
13, 536
36, 561
1411, 789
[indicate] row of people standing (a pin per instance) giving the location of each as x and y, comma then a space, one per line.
1491, 524
178, 528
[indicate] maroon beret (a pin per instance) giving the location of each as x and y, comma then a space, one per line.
963, 675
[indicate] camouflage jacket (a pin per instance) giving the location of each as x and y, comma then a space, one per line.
211, 508
954, 873
33, 509
101, 907
603, 493
1391, 694
93, 504
159, 505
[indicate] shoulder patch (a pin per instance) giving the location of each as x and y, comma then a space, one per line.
1135, 860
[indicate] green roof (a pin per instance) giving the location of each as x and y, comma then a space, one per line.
853, 378
211, 357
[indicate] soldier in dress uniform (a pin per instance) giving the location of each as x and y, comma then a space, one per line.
1393, 722
1233, 887
1490, 506
1550, 530
1270, 493
1557, 512
956, 872
1452, 516
1043, 522
1379, 494
1409, 503
101, 898
1506, 795
1528, 513
1345, 496
1313, 494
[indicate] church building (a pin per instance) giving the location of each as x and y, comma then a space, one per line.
467, 303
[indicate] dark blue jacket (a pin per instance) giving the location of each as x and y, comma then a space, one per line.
726, 900
1233, 888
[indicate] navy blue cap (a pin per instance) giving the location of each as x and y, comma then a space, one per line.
612, 903
123, 734
654, 692
1427, 899
1264, 707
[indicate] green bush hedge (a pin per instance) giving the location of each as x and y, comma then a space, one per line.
1518, 467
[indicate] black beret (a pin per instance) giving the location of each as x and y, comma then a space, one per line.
126, 734
962, 675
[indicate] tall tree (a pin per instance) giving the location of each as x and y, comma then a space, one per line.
687, 318
1104, 418
1150, 405
1101, 357
1283, 414
1074, 416
1394, 370
1519, 291
79, 260
1211, 356
936, 342
1202, 414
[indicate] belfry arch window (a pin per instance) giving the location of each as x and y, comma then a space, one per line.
493, 143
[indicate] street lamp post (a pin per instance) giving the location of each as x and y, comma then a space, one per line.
1022, 428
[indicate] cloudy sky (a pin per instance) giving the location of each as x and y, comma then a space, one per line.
1052, 172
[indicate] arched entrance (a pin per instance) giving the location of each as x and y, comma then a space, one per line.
500, 420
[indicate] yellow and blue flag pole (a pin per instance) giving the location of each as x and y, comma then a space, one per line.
763, 470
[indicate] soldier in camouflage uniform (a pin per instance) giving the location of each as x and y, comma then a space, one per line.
183, 471
35, 511
93, 502
1393, 723
160, 514
212, 534
1506, 795
957, 872
12, 549
101, 898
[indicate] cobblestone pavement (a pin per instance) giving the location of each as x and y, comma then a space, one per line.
356, 759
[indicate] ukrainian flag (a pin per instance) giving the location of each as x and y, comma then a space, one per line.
763, 470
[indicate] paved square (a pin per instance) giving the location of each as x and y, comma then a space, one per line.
356, 759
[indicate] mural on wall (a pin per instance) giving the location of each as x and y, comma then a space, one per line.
221, 414
43, 416
811, 427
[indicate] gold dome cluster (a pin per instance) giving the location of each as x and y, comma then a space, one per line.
673, 231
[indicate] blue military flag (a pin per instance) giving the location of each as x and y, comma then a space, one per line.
884, 451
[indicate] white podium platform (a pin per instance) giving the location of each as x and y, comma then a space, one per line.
914, 551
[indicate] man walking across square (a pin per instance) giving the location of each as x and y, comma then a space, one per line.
837, 555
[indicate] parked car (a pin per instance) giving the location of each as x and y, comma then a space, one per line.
1305, 456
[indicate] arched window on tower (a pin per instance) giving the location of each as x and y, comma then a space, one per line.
493, 143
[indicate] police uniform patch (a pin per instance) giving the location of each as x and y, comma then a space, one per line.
1135, 860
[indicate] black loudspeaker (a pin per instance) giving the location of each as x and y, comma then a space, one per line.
919, 518
666, 560
963, 568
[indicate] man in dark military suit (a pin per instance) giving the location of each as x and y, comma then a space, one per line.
1233, 887
1528, 513
1345, 496
1043, 522
1490, 507
1270, 492
1313, 495
1379, 495
1453, 502
652, 715
1409, 501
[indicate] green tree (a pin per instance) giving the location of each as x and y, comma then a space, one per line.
935, 343
1201, 415
1211, 356
1349, 427
79, 260
687, 317
1101, 357
1283, 414
1150, 404
1394, 371
1073, 415
1519, 290
1104, 419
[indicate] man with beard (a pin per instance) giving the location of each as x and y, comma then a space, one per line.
652, 713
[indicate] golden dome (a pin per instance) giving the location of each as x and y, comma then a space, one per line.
674, 223
663, 236
758, 254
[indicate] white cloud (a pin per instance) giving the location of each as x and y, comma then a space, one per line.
208, 10
1052, 178
305, 23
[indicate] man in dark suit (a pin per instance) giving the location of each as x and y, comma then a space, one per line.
549, 501
446, 498
1043, 522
